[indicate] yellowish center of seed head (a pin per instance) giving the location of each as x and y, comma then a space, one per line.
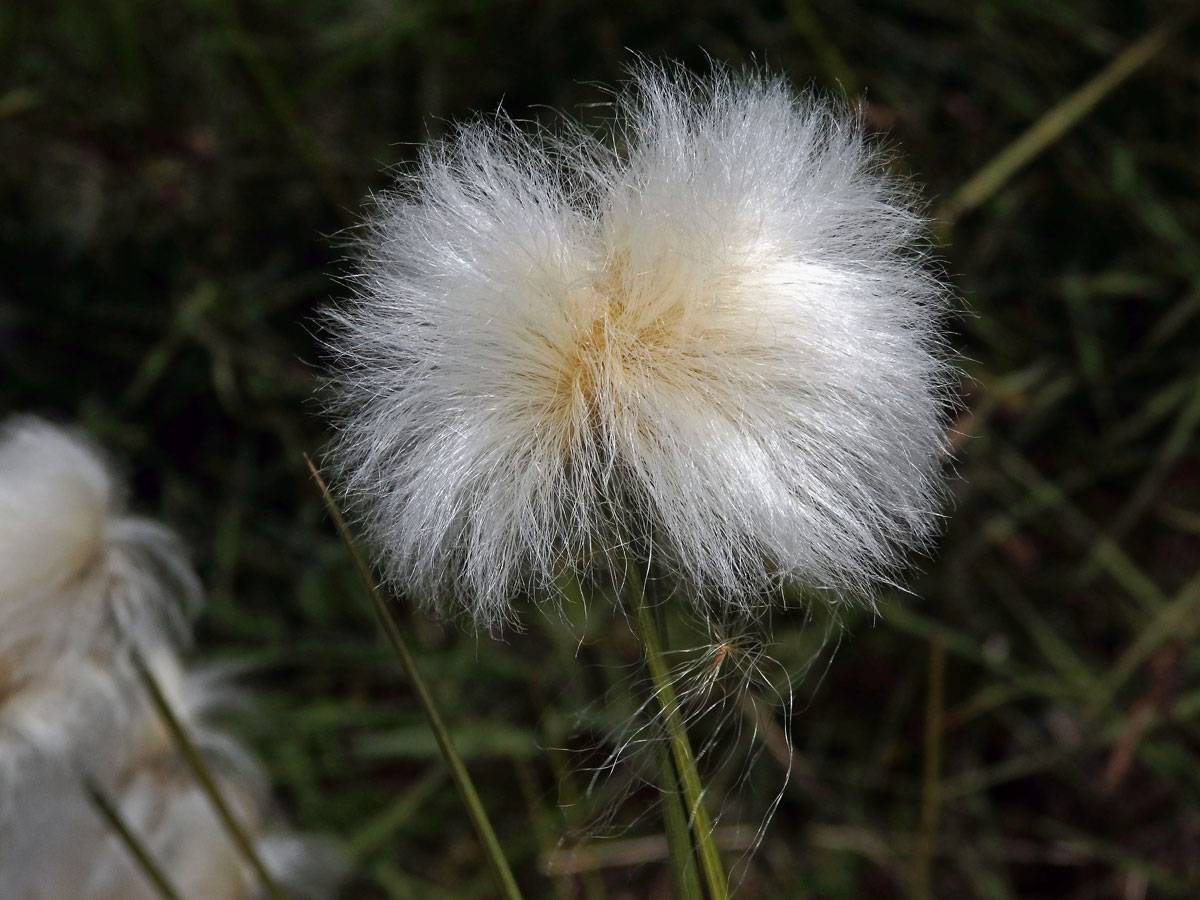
620, 335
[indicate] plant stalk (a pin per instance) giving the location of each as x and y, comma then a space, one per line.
679, 842
505, 881
140, 852
204, 775
1057, 121
649, 633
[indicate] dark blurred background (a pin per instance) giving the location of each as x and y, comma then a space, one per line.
176, 181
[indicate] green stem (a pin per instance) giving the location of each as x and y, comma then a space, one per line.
462, 780
683, 861
132, 842
1056, 122
204, 776
681, 748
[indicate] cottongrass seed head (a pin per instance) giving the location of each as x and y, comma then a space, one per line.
82, 582
714, 335
55, 845
80, 579
79, 575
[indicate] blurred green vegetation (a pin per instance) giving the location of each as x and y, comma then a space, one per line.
175, 182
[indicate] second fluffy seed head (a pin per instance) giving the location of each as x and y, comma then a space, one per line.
716, 335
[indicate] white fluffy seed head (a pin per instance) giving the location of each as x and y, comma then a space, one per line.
77, 574
79, 580
718, 338
55, 844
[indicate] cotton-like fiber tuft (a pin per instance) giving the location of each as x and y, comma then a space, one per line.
77, 573
82, 583
717, 337
54, 844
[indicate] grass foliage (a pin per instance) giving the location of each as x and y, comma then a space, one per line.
176, 182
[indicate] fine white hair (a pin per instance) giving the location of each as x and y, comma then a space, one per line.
54, 843
80, 579
82, 583
716, 337
79, 576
